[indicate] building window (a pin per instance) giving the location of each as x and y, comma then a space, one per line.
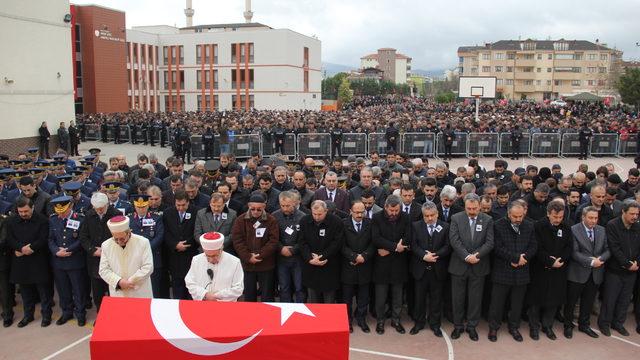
592, 57
539, 56
528, 56
548, 82
486, 69
591, 82
550, 57
460, 59
528, 82
498, 68
234, 79
243, 99
575, 82
602, 82
591, 70
509, 68
561, 46
528, 46
538, 82
604, 57
602, 70
499, 82
565, 56
538, 69
508, 81
511, 56
548, 70
527, 69
165, 55
199, 56
557, 82
499, 56
486, 56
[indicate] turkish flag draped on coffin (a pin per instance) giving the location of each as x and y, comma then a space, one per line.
180, 329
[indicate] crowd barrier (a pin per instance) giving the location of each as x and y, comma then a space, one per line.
413, 143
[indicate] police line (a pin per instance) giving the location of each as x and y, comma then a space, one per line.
413, 143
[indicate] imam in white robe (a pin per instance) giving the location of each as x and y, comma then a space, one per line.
228, 278
134, 262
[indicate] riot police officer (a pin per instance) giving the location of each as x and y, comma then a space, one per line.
279, 137
144, 130
152, 132
68, 260
449, 136
207, 140
148, 224
584, 136
116, 132
134, 133
185, 144
103, 131
516, 136
163, 133
336, 141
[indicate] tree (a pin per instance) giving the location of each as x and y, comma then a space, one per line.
330, 86
345, 94
629, 87
445, 97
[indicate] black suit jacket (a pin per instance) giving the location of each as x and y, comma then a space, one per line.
438, 243
454, 209
415, 212
176, 231
340, 198
357, 243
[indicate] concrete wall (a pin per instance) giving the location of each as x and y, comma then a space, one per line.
37, 47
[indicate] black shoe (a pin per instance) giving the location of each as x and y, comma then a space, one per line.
455, 334
399, 328
380, 328
350, 328
436, 331
493, 335
25, 321
568, 332
416, 329
82, 322
363, 325
621, 330
549, 332
589, 332
63, 319
533, 333
516, 335
473, 334
7, 322
45, 322
605, 331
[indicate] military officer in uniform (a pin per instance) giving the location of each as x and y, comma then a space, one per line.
149, 225
80, 202
112, 189
68, 260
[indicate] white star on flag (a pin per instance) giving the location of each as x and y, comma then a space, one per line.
287, 309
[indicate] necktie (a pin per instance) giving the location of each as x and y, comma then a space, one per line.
473, 228
181, 216
516, 228
591, 235
406, 209
369, 214
216, 218
331, 196
430, 230
358, 226
445, 212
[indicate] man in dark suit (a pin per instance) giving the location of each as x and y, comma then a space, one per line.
357, 264
471, 237
299, 185
515, 246
27, 233
409, 206
623, 234
332, 192
93, 233
430, 250
586, 270
447, 207
179, 225
391, 234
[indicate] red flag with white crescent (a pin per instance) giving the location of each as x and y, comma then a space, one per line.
173, 329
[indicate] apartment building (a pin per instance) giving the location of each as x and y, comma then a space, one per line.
541, 70
395, 67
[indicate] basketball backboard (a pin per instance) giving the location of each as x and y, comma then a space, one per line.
483, 87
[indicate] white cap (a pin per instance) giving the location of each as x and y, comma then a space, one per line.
212, 241
99, 200
118, 224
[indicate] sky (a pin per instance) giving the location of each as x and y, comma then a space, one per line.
428, 31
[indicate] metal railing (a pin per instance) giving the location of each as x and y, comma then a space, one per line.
545, 144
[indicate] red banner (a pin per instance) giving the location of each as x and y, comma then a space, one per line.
173, 329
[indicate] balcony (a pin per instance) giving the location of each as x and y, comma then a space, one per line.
520, 75
525, 63
567, 75
525, 88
